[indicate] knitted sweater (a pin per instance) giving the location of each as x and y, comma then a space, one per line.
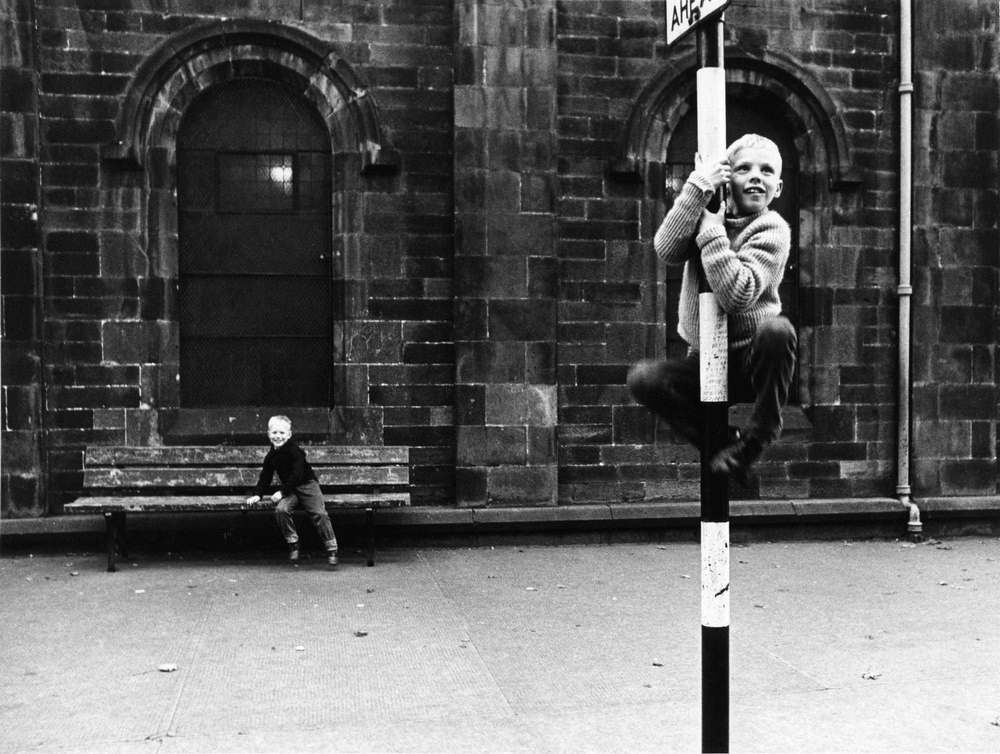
743, 263
289, 462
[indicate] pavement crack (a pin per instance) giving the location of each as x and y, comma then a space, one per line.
166, 723
467, 637
822, 685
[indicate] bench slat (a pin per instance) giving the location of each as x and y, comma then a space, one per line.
238, 455
137, 477
182, 503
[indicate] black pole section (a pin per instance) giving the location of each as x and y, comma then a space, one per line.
713, 354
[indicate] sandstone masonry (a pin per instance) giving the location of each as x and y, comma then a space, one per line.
499, 171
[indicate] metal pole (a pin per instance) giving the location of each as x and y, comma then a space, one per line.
713, 349
905, 289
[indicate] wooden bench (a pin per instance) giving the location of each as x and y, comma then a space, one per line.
119, 480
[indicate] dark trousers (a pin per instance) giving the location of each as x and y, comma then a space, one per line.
310, 497
759, 373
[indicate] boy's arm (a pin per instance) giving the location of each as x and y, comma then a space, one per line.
739, 279
266, 475
673, 237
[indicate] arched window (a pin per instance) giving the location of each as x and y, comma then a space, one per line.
254, 227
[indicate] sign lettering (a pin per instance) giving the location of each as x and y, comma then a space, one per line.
685, 15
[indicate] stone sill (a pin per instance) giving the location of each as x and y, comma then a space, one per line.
953, 507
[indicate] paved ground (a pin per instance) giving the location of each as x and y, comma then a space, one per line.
836, 647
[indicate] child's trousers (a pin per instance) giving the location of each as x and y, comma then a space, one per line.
759, 373
310, 497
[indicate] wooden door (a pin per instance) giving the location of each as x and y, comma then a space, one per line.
254, 198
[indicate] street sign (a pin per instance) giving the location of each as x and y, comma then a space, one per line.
685, 15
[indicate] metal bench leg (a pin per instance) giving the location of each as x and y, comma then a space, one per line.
115, 523
122, 536
370, 533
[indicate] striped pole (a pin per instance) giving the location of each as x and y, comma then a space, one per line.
713, 349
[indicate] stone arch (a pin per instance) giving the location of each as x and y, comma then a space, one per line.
207, 54
666, 100
180, 70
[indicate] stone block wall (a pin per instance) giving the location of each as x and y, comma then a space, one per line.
610, 296
956, 401
500, 276
107, 236
505, 267
404, 53
613, 310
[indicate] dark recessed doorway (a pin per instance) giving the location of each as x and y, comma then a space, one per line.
254, 199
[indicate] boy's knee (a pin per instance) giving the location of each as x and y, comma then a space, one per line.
641, 376
776, 335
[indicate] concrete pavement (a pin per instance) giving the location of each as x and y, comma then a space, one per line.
867, 646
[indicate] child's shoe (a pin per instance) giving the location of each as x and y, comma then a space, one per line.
331, 558
737, 458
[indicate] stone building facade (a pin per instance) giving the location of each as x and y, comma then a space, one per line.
450, 247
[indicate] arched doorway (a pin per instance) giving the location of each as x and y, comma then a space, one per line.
763, 85
254, 237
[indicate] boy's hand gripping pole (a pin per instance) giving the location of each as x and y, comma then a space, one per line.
713, 350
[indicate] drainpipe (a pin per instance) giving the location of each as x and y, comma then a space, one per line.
905, 289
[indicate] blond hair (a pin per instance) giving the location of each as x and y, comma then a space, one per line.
280, 418
754, 141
